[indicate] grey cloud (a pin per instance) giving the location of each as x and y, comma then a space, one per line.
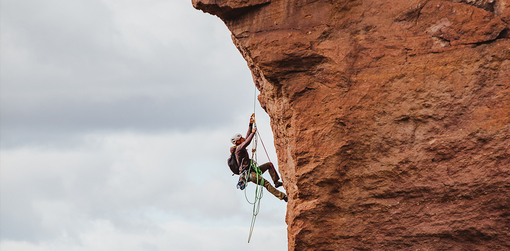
66, 34
143, 114
19, 219
70, 70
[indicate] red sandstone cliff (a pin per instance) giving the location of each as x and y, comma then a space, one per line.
391, 118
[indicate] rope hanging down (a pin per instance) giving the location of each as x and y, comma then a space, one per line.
259, 187
254, 167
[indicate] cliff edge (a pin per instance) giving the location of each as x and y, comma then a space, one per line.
390, 118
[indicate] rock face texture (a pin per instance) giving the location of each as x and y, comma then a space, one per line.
391, 118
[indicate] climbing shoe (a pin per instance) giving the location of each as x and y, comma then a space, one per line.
278, 184
285, 198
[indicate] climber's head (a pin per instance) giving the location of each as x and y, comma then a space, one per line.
237, 139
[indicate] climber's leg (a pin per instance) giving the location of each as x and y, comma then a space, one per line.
269, 166
261, 181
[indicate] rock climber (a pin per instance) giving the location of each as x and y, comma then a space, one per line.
243, 161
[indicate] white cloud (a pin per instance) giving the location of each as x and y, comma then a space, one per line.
175, 236
130, 182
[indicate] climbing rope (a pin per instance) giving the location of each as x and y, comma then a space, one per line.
254, 99
256, 170
264, 147
259, 181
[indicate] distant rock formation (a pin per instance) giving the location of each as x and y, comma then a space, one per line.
391, 118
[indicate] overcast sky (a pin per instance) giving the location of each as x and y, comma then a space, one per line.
115, 120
